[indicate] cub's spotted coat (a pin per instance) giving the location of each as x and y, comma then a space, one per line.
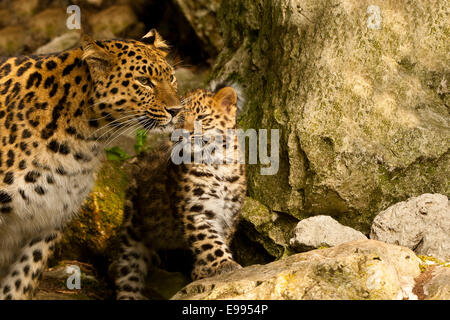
192, 206
56, 114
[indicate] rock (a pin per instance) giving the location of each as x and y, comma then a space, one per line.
53, 285
13, 40
64, 42
97, 3
363, 123
270, 229
47, 25
93, 234
189, 79
116, 21
364, 269
433, 284
421, 224
201, 14
322, 231
24, 8
162, 284
6, 18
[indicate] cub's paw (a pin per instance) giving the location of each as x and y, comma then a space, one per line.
206, 271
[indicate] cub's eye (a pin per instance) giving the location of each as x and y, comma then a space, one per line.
145, 81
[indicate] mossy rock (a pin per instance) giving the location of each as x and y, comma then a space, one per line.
269, 229
93, 232
362, 112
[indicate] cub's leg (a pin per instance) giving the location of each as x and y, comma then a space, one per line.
208, 241
23, 277
132, 266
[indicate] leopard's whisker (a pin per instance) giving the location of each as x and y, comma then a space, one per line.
113, 124
122, 113
117, 132
133, 126
122, 125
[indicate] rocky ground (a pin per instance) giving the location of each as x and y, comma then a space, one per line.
359, 207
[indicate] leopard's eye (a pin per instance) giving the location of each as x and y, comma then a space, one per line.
146, 82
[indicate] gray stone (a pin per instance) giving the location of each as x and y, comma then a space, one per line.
322, 231
421, 224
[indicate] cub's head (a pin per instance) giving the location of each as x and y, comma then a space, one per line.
214, 110
133, 82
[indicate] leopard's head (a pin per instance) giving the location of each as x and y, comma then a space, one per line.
134, 85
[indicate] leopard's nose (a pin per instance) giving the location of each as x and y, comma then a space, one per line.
173, 111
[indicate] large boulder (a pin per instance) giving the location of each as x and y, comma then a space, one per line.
364, 269
421, 224
362, 110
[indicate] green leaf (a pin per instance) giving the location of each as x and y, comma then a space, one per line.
141, 138
116, 154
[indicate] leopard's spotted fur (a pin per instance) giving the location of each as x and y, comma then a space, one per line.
192, 206
56, 114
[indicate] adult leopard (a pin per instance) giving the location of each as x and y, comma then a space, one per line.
57, 112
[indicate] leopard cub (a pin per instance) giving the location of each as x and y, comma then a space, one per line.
191, 205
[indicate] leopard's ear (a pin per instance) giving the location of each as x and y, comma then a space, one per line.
226, 98
98, 59
153, 38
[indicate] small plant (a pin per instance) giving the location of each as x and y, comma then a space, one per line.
118, 154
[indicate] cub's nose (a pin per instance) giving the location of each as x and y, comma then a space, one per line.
173, 111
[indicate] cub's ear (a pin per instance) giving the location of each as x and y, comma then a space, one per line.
226, 98
98, 59
153, 38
